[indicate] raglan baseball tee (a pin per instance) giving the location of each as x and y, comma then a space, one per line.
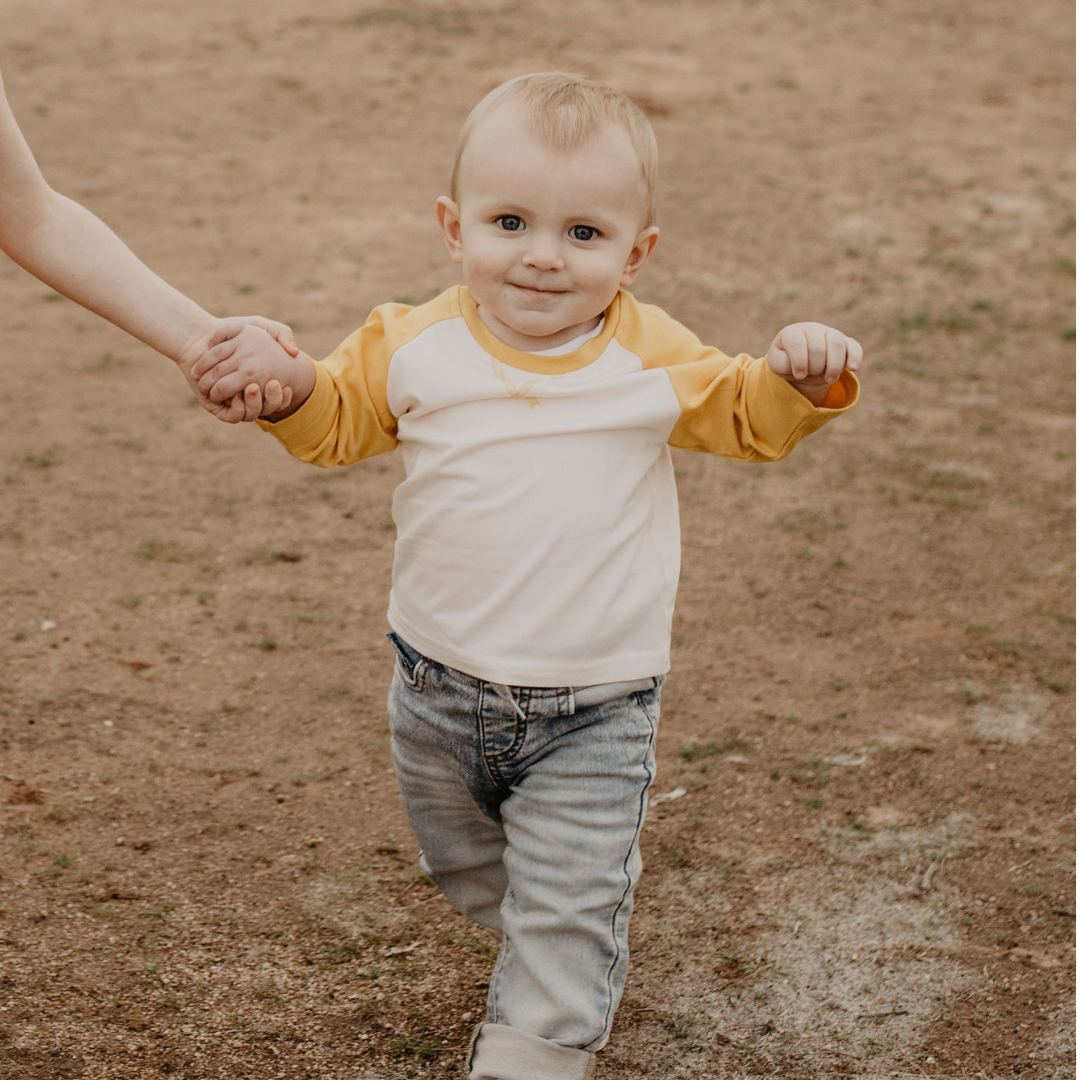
537, 524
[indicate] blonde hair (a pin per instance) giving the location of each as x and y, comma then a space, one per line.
565, 111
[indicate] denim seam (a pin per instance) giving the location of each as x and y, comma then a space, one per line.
493, 997
629, 882
491, 761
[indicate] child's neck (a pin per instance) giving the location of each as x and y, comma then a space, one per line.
533, 343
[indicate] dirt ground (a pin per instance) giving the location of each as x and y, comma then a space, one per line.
859, 860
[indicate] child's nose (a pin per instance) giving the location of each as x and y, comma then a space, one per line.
543, 254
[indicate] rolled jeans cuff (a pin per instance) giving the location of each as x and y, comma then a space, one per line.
499, 1052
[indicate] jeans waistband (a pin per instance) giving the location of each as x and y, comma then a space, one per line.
525, 700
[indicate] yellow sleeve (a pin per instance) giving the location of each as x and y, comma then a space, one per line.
737, 408
731, 406
347, 418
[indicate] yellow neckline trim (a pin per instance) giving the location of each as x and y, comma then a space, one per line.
589, 353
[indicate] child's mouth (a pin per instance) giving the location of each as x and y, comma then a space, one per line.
533, 293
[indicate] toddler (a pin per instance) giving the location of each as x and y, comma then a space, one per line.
537, 549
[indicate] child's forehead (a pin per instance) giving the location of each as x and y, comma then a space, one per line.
521, 173
559, 128
500, 136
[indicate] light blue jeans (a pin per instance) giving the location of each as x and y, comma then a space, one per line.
528, 804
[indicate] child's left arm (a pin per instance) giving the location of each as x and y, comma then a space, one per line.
812, 357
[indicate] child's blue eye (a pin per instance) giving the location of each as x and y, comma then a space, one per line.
584, 232
510, 223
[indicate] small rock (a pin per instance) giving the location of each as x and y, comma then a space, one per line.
670, 796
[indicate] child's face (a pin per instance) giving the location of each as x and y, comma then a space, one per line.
545, 239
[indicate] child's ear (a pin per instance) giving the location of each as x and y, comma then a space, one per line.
642, 249
450, 223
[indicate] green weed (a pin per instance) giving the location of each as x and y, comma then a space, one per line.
693, 751
414, 1046
46, 460
107, 361
681, 1025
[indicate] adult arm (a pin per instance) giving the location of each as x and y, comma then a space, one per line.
77, 254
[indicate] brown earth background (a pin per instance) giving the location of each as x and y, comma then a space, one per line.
859, 860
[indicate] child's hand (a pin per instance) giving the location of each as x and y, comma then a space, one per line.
279, 331
236, 409
812, 357
270, 399
248, 406
250, 368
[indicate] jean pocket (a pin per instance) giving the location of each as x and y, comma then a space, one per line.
411, 664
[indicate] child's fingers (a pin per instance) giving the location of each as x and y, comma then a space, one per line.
836, 355
212, 357
276, 397
795, 346
253, 402
854, 354
272, 397
281, 333
817, 350
813, 354
777, 359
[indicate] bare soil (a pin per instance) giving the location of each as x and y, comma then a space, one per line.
859, 860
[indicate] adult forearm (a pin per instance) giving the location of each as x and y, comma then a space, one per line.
78, 255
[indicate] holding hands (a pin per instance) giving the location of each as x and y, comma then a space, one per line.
249, 367
812, 356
